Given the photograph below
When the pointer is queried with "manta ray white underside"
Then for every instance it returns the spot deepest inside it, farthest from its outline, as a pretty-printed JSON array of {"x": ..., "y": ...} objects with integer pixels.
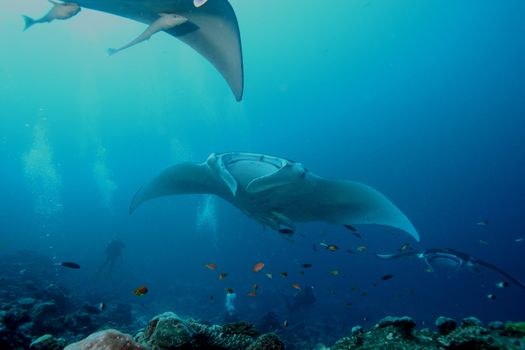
[
  {"x": 277, "y": 192},
  {"x": 211, "y": 30}
]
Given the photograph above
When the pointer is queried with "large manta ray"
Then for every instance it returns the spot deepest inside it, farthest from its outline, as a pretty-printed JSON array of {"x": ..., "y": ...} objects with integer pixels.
[
  {"x": 276, "y": 192},
  {"x": 452, "y": 258},
  {"x": 211, "y": 30}
]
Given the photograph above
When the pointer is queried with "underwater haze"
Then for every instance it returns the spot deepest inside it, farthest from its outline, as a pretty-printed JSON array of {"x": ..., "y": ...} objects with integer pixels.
[{"x": 422, "y": 100}]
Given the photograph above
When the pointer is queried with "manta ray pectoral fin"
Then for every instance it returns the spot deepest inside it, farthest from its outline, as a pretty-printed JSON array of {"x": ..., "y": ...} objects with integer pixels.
[
  {"x": 212, "y": 31},
  {"x": 349, "y": 202},
  {"x": 184, "y": 178}
]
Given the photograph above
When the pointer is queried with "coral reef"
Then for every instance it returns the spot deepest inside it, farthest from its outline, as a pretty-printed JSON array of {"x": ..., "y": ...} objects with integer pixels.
[
  {"x": 400, "y": 333},
  {"x": 36, "y": 313},
  {"x": 109, "y": 339},
  {"x": 169, "y": 331},
  {"x": 268, "y": 341},
  {"x": 445, "y": 325},
  {"x": 269, "y": 323},
  {"x": 47, "y": 342},
  {"x": 514, "y": 329}
]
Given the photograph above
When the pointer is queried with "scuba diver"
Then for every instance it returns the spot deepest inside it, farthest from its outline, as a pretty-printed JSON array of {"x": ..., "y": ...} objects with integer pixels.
[
  {"x": 304, "y": 297},
  {"x": 453, "y": 258},
  {"x": 113, "y": 252}
]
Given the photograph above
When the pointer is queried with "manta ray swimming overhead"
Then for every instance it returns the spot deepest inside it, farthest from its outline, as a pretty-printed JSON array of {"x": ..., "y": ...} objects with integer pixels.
[
  {"x": 276, "y": 192},
  {"x": 211, "y": 29},
  {"x": 452, "y": 258}
]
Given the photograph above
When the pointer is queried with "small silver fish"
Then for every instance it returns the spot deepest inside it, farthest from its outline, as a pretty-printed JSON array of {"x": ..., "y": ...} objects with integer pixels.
[
  {"x": 502, "y": 284},
  {"x": 518, "y": 240},
  {"x": 491, "y": 296}
]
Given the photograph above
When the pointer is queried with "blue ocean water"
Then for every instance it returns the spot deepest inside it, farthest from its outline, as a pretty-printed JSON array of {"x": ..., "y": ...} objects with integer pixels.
[{"x": 425, "y": 101}]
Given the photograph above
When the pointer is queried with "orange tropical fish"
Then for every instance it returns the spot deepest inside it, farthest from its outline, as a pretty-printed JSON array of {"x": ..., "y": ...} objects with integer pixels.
[
  {"x": 252, "y": 294},
  {"x": 258, "y": 267},
  {"x": 140, "y": 291},
  {"x": 222, "y": 276},
  {"x": 211, "y": 266},
  {"x": 296, "y": 286}
]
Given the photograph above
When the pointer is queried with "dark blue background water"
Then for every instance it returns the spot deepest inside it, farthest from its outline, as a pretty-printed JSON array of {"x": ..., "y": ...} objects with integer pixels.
[{"x": 424, "y": 101}]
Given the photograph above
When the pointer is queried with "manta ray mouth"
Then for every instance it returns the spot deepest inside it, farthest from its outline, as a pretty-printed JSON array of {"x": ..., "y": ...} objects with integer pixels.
[
  {"x": 248, "y": 167},
  {"x": 230, "y": 159},
  {"x": 445, "y": 261}
]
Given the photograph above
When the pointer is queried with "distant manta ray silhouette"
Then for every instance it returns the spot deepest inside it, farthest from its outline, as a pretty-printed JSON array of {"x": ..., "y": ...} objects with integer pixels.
[
  {"x": 211, "y": 29},
  {"x": 451, "y": 257},
  {"x": 276, "y": 192}
]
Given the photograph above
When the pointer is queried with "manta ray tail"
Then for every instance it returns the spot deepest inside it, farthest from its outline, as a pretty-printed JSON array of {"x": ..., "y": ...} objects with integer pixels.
[
  {"x": 28, "y": 22},
  {"x": 500, "y": 271},
  {"x": 184, "y": 178},
  {"x": 350, "y": 202}
]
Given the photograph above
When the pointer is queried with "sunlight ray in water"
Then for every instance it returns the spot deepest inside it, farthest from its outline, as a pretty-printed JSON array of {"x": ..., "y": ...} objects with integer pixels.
[
  {"x": 42, "y": 176},
  {"x": 104, "y": 180},
  {"x": 207, "y": 217}
]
